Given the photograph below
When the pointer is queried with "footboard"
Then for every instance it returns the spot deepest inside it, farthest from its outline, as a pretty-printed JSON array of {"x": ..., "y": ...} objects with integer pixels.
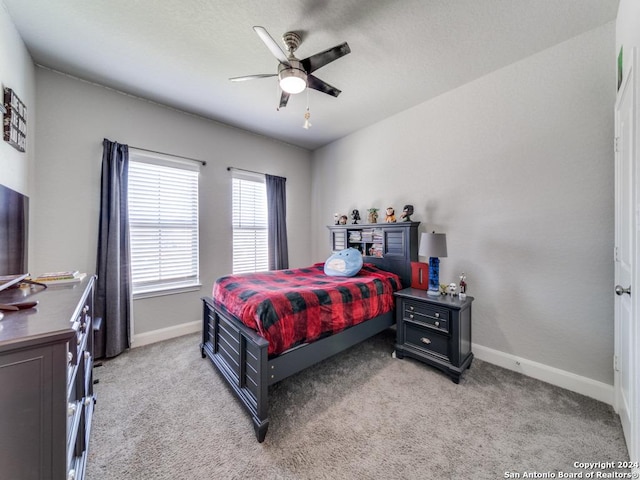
[{"x": 241, "y": 357}]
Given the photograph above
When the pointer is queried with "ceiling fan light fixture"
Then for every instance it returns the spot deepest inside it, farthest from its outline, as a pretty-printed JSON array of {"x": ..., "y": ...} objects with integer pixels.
[{"x": 292, "y": 79}]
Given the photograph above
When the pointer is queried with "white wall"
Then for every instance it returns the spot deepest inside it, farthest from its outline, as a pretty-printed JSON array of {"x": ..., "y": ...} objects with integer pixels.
[
  {"x": 73, "y": 118},
  {"x": 17, "y": 73},
  {"x": 517, "y": 169}
]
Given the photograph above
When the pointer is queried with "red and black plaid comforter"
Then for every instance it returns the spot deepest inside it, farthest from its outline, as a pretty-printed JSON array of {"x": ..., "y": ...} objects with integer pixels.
[{"x": 292, "y": 307}]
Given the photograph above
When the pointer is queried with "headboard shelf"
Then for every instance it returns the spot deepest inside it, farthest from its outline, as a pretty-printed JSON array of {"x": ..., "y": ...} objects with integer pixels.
[{"x": 390, "y": 246}]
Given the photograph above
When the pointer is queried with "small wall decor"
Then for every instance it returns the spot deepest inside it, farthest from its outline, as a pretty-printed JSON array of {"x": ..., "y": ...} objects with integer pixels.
[{"x": 15, "y": 120}]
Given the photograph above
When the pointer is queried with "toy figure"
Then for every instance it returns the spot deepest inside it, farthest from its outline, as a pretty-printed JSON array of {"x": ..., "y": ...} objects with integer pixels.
[
  {"x": 373, "y": 215},
  {"x": 463, "y": 286},
  {"x": 391, "y": 215},
  {"x": 343, "y": 220},
  {"x": 355, "y": 216},
  {"x": 407, "y": 211},
  {"x": 335, "y": 219}
]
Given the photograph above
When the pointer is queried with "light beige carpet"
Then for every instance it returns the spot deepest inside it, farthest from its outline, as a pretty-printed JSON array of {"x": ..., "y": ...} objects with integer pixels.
[{"x": 163, "y": 412}]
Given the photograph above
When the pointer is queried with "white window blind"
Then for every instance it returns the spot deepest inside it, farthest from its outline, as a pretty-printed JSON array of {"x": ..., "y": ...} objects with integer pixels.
[
  {"x": 163, "y": 223},
  {"x": 250, "y": 244}
]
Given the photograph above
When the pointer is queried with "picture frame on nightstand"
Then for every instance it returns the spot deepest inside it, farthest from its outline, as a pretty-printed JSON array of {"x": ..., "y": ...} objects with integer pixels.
[{"x": 420, "y": 275}]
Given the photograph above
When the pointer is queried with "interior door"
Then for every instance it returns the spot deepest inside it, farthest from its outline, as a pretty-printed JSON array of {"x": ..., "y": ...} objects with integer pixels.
[{"x": 626, "y": 269}]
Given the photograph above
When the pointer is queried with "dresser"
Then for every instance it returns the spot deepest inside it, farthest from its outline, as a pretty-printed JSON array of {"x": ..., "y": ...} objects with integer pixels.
[
  {"x": 46, "y": 382},
  {"x": 435, "y": 330}
]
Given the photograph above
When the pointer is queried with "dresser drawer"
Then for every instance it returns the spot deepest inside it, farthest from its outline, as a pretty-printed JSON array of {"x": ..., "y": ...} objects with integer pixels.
[
  {"x": 429, "y": 315},
  {"x": 426, "y": 339}
]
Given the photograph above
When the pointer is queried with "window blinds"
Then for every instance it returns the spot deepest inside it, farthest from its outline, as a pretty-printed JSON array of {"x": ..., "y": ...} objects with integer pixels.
[
  {"x": 163, "y": 223},
  {"x": 250, "y": 244}
]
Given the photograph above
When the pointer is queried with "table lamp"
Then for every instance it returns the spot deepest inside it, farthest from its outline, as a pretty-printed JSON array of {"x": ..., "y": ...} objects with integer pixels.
[{"x": 434, "y": 246}]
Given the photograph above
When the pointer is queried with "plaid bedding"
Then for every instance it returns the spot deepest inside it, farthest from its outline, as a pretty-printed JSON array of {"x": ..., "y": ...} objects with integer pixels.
[{"x": 292, "y": 307}]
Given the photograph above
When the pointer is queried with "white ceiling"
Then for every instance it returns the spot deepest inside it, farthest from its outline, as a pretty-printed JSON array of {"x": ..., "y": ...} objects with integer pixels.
[{"x": 182, "y": 52}]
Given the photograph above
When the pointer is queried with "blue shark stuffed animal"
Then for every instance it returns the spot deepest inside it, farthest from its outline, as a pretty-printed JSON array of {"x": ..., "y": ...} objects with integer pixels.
[{"x": 345, "y": 263}]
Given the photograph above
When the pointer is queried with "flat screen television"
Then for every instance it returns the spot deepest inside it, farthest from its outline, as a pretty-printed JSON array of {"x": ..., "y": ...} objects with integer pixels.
[{"x": 14, "y": 231}]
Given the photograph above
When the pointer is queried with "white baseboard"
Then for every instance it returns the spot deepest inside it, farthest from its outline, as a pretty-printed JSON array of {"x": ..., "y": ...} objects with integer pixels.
[
  {"x": 561, "y": 378},
  {"x": 162, "y": 334},
  {"x": 554, "y": 376}
]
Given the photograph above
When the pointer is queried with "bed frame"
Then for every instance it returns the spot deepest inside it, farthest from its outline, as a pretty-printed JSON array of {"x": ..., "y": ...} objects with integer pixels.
[{"x": 240, "y": 354}]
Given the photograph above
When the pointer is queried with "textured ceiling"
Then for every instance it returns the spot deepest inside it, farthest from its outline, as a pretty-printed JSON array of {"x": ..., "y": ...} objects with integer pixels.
[{"x": 182, "y": 52}]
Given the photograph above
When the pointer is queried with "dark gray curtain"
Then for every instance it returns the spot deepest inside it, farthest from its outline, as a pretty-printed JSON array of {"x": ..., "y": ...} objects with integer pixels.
[
  {"x": 277, "y": 208},
  {"x": 113, "y": 288}
]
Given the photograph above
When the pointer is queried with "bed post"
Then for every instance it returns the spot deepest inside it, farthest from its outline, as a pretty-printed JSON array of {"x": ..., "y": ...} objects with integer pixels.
[
  {"x": 261, "y": 419},
  {"x": 241, "y": 357}
]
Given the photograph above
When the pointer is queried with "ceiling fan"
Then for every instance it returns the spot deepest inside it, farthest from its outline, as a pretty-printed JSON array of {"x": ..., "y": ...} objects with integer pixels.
[{"x": 295, "y": 75}]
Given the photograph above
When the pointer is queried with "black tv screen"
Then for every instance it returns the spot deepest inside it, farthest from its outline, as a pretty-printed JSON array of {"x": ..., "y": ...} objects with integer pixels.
[{"x": 14, "y": 225}]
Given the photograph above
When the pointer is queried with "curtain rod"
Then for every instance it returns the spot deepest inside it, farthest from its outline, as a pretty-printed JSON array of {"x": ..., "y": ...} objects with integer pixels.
[
  {"x": 244, "y": 170},
  {"x": 170, "y": 154}
]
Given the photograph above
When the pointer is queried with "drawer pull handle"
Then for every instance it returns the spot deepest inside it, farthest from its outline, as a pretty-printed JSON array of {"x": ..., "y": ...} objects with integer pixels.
[
  {"x": 87, "y": 401},
  {"x": 437, "y": 315},
  {"x": 69, "y": 357},
  {"x": 72, "y": 475},
  {"x": 411, "y": 307},
  {"x": 85, "y": 309},
  {"x": 411, "y": 315},
  {"x": 87, "y": 355},
  {"x": 425, "y": 340},
  {"x": 71, "y": 409},
  {"x": 437, "y": 324}
]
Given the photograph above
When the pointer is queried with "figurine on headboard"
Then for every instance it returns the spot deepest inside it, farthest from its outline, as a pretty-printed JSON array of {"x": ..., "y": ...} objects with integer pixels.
[
  {"x": 342, "y": 220},
  {"x": 373, "y": 215},
  {"x": 355, "y": 216},
  {"x": 407, "y": 211},
  {"x": 391, "y": 215}
]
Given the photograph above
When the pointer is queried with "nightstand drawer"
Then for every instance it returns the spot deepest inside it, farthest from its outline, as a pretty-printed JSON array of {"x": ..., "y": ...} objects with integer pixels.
[
  {"x": 426, "y": 339},
  {"x": 428, "y": 314}
]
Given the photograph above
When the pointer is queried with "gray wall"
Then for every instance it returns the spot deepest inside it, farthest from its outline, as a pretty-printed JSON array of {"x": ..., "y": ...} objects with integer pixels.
[
  {"x": 16, "y": 72},
  {"x": 517, "y": 169},
  {"x": 73, "y": 118}
]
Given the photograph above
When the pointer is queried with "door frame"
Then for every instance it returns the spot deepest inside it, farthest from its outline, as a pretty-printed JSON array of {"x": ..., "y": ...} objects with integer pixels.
[{"x": 632, "y": 438}]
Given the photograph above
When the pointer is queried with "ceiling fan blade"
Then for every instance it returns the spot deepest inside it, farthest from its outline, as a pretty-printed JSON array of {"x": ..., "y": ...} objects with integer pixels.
[
  {"x": 314, "y": 62},
  {"x": 284, "y": 98},
  {"x": 272, "y": 45},
  {"x": 322, "y": 86},
  {"x": 253, "y": 77}
]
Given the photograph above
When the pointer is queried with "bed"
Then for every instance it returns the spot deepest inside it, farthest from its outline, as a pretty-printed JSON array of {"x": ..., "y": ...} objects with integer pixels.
[{"x": 251, "y": 354}]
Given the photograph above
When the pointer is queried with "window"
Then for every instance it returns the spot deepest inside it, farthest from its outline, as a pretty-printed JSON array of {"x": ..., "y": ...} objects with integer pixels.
[
  {"x": 250, "y": 247},
  {"x": 163, "y": 223}
]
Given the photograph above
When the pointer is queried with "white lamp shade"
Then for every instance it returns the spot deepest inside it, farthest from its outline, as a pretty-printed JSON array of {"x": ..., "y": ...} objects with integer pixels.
[
  {"x": 433, "y": 245},
  {"x": 292, "y": 80}
]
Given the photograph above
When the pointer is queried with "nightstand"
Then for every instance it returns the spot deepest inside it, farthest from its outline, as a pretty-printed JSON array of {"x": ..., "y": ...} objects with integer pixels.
[{"x": 435, "y": 330}]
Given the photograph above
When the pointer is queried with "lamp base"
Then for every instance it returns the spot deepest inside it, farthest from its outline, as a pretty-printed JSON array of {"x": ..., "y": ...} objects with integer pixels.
[{"x": 434, "y": 274}]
